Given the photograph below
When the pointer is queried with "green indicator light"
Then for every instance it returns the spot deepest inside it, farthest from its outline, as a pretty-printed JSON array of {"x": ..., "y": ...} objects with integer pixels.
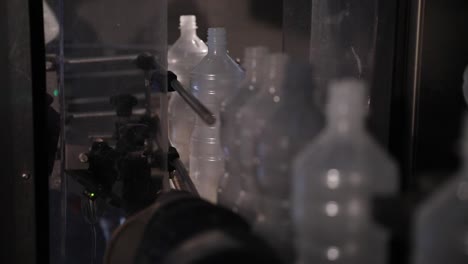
[
  {"x": 56, "y": 92},
  {"x": 92, "y": 195}
]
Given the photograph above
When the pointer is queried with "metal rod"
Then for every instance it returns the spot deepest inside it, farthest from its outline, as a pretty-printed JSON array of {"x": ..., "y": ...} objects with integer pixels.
[
  {"x": 148, "y": 93},
  {"x": 178, "y": 185},
  {"x": 101, "y": 59},
  {"x": 201, "y": 110},
  {"x": 63, "y": 176},
  {"x": 183, "y": 177},
  {"x": 164, "y": 142},
  {"x": 138, "y": 112},
  {"x": 101, "y": 99},
  {"x": 101, "y": 74},
  {"x": 415, "y": 81}
]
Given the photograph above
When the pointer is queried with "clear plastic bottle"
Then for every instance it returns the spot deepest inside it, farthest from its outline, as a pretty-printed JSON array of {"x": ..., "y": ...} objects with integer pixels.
[
  {"x": 296, "y": 122},
  {"x": 229, "y": 185},
  {"x": 252, "y": 119},
  {"x": 51, "y": 25},
  {"x": 212, "y": 81},
  {"x": 183, "y": 56},
  {"x": 441, "y": 224},
  {"x": 335, "y": 178}
]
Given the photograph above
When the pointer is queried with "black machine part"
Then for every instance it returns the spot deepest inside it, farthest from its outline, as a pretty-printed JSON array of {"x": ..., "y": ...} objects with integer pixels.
[
  {"x": 217, "y": 246},
  {"x": 123, "y": 104},
  {"x": 147, "y": 63},
  {"x": 183, "y": 217}
]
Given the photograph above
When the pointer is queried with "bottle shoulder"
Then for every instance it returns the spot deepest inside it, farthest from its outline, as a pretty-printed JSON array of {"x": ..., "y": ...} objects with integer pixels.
[
  {"x": 218, "y": 64},
  {"x": 187, "y": 49},
  {"x": 451, "y": 198},
  {"x": 356, "y": 154},
  {"x": 358, "y": 142}
]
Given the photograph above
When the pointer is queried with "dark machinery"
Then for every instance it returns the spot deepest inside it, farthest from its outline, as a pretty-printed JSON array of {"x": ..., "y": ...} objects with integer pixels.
[
  {"x": 133, "y": 158},
  {"x": 181, "y": 228},
  {"x": 163, "y": 226}
]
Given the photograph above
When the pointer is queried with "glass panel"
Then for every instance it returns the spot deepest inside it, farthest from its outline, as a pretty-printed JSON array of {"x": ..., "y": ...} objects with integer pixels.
[
  {"x": 345, "y": 38},
  {"x": 103, "y": 95}
]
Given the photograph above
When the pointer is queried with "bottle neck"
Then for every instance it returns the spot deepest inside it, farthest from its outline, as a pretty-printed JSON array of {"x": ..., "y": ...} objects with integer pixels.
[
  {"x": 217, "y": 49},
  {"x": 217, "y": 41},
  {"x": 253, "y": 62},
  {"x": 188, "y": 33},
  {"x": 345, "y": 124}
]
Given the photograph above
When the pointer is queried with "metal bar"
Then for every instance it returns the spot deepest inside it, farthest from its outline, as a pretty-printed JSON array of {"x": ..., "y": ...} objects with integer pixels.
[
  {"x": 184, "y": 177},
  {"x": 413, "y": 85},
  {"x": 63, "y": 123},
  {"x": 20, "y": 174},
  {"x": 103, "y": 113},
  {"x": 148, "y": 93},
  {"x": 178, "y": 185},
  {"x": 100, "y": 59},
  {"x": 416, "y": 69},
  {"x": 181, "y": 178},
  {"x": 103, "y": 74},
  {"x": 91, "y": 100},
  {"x": 201, "y": 110}
]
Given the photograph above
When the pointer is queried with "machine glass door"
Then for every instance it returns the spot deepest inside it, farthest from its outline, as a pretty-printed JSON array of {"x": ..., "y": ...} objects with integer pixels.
[{"x": 107, "y": 65}]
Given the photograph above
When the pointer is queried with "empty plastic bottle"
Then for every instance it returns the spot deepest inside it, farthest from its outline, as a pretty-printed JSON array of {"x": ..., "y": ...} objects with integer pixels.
[
  {"x": 441, "y": 226},
  {"x": 252, "y": 119},
  {"x": 212, "y": 81},
  {"x": 335, "y": 179},
  {"x": 183, "y": 56},
  {"x": 51, "y": 25},
  {"x": 229, "y": 185},
  {"x": 296, "y": 122}
]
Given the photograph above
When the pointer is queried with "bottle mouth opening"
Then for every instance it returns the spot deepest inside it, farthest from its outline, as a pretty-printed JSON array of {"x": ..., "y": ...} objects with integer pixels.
[
  {"x": 188, "y": 22},
  {"x": 217, "y": 36},
  {"x": 347, "y": 96}
]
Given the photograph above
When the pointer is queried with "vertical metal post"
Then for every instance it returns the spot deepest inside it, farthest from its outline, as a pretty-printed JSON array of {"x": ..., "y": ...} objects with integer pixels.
[
  {"x": 63, "y": 115},
  {"x": 403, "y": 134},
  {"x": 21, "y": 110}
]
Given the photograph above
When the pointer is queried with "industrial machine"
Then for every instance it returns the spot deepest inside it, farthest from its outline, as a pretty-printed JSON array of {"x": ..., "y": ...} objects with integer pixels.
[{"x": 89, "y": 174}]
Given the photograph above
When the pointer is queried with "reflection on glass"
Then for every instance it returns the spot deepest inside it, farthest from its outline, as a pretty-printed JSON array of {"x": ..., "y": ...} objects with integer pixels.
[
  {"x": 183, "y": 56},
  {"x": 229, "y": 186},
  {"x": 95, "y": 53}
]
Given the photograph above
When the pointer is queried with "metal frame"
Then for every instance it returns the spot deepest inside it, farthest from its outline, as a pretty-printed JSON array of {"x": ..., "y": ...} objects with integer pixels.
[
  {"x": 427, "y": 99},
  {"x": 405, "y": 90},
  {"x": 22, "y": 111}
]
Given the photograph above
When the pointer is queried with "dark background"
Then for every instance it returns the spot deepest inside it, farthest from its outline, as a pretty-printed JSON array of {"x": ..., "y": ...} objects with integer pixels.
[{"x": 441, "y": 102}]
